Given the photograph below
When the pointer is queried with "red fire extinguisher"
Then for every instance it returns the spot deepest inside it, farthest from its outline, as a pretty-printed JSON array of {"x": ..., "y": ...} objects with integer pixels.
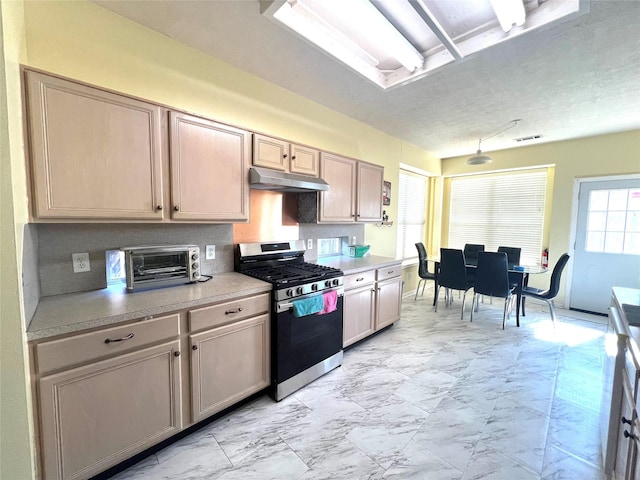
[{"x": 545, "y": 258}]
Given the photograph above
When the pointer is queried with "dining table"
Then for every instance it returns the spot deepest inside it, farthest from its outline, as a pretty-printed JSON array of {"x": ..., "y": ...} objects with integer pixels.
[{"x": 518, "y": 275}]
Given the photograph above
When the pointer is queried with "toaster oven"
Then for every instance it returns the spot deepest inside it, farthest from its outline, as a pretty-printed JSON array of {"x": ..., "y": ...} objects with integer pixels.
[{"x": 160, "y": 266}]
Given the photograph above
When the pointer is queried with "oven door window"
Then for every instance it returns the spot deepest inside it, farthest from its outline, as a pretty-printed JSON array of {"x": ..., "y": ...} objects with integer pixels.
[
  {"x": 304, "y": 341},
  {"x": 165, "y": 265}
]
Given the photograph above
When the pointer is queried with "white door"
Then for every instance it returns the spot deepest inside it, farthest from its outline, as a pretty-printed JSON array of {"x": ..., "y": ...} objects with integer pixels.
[{"x": 607, "y": 248}]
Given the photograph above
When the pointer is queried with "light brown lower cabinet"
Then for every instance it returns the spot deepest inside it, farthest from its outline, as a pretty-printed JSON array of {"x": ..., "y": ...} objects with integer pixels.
[
  {"x": 106, "y": 395},
  {"x": 228, "y": 364},
  {"x": 372, "y": 301},
  {"x": 97, "y": 415}
]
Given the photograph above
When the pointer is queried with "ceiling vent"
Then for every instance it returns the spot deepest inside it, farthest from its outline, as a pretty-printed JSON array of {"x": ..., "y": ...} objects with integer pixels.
[{"x": 529, "y": 138}]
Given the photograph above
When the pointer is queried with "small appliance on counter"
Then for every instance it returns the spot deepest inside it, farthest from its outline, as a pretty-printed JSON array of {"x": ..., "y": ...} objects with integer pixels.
[
  {"x": 358, "y": 251},
  {"x": 161, "y": 266}
]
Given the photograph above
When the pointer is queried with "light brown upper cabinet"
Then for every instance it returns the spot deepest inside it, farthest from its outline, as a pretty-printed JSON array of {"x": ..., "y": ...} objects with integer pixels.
[
  {"x": 355, "y": 190},
  {"x": 209, "y": 163},
  {"x": 98, "y": 156},
  {"x": 94, "y": 154},
  {"x": 281, "y": 155}
]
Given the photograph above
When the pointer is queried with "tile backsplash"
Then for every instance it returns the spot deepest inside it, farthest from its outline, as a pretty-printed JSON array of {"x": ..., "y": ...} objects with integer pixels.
[{"x": 57, "y": 242}]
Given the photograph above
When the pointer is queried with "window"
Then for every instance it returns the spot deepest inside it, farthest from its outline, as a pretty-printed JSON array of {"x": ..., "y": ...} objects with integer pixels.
[
  {"x": 328, "y": 247},
  {"x": 613, "y": 224},
  {"x": 412, "y": 213},
  {"x": 499, "y": 210}
]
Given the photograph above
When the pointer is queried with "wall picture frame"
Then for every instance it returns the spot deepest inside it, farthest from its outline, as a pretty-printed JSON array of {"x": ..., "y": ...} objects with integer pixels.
[{"x": 386, "y": 193}]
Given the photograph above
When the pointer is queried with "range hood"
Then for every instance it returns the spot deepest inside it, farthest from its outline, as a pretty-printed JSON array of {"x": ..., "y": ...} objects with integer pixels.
[{"x": 267, "y": 179}]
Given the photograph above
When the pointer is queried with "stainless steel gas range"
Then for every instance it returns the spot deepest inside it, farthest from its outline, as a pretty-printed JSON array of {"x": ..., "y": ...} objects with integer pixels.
[{"x": 304, "y": 346}]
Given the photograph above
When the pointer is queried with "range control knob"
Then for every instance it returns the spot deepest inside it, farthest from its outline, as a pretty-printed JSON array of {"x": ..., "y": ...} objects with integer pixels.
[
  {"x": 314, "y": 287},
  {"x": 336, "y": 282},
  {"x": 327, "y": 283},
  {"x": 289, "y": 293},
  {"x": 299, "y": 290},
  {"x": 194, "y": 256}
]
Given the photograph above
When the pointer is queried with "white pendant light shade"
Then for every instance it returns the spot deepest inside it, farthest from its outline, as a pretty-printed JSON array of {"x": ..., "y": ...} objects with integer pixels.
[{"x": 479, "y": 159}]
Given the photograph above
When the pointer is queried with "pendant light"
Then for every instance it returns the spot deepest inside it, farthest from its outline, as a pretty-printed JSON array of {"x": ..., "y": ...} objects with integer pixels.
[{"x": 481, "y": 159}]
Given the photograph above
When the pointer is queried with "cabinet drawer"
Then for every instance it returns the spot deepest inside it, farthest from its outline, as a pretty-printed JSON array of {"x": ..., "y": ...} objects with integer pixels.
[
  {"x": 226, "y": 312},
  {"x": 359, "y": 279},
  {"x": 388, "y": 272},
  {"x": 86, "y": 347}
]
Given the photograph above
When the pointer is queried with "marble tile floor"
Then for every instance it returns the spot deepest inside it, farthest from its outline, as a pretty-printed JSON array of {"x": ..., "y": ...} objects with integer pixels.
[{"x": 433, "y": 397}]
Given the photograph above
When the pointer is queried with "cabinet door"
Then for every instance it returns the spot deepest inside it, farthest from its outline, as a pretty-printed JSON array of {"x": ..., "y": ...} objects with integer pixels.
[
  {"x": 209, "y": 163},
  {"x": 94, "y": 154},
  {"x": 304, "y": 160},
  {"x": 625, "y": 448},
  {"x": 338, "y": 204},
  {"x": 96, "y": 416},
  {"x": 370, "y": 180},
  {"x": 389, "y": 298},
  {"x": 270, "y": 153},
  {"x": 228, "y": 364},
  {"x": 359, "y": 314}
]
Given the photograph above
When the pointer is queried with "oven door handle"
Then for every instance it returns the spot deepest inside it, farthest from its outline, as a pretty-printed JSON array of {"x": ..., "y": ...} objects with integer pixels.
[{"x": 284, "y": 307}]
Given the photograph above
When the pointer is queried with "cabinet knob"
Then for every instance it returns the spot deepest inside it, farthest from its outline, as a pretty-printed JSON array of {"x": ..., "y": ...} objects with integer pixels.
[
  {"x": 194, "y": 347},
  {"x": 293, "y": 157},
  {"x": 284, "y": 156},
  {"x": 176, "y": 208},
  {"x": 626, "y": 420},
  {"x": 159, "y": 207},
  {"x": 630, "y": 435},
  {"x": 176, "y": 354}
]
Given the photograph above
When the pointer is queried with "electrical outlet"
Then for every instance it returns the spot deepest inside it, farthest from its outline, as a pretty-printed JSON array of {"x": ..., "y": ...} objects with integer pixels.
[
  {"x": 310, "y": 244},
  {"x": 80, "y": 262},
  {"x": 210, "y": 252}
]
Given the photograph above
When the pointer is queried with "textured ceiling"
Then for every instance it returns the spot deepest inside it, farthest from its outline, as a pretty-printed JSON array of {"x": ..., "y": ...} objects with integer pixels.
[{"x": 575, "y": 78}]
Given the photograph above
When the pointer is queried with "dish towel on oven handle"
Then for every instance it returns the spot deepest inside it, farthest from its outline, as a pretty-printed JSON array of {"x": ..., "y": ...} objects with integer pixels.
[
  {"x": 308, "y": 306},
  {"x": 330, "y": 302}
]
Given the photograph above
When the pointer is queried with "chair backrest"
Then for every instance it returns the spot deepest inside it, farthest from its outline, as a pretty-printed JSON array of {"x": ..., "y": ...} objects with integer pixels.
[
  {"x": 513, "y": 255},
  {"x": 471, "y": 252},
  {"x": 554, "y": 284},
  {"x": 423, "y": 271},
  {"x": 492, "y": 275},
  {"x": 453, "y": 273}
]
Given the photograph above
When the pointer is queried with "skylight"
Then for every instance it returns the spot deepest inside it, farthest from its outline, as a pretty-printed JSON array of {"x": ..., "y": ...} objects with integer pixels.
[{"x": 392, "y": 42}]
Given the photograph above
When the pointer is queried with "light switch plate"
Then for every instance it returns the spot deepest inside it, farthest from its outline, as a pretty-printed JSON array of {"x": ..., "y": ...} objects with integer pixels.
[
  {"x": 80, "y": 262},
  {"x": 210, "y": 252},
  {"x": 310, "y": 244}
]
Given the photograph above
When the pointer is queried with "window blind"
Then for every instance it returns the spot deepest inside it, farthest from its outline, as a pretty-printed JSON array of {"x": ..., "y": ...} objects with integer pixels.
[
  {"x": 412, "y": 216},
  {"x": 499, "y": 210}
]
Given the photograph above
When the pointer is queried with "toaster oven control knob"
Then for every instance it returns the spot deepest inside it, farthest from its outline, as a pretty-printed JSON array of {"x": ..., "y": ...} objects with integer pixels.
[
  {"x": 194, "y": 265},
  {"x": 194, "y": 256},
  {"x": 314, "y": 287},
  {"x": 195, "y": 275}
]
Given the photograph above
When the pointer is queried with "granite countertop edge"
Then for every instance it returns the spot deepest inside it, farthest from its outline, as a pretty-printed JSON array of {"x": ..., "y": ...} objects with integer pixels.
[
  {"x": 77, "y": 312},
  {"x": 350, "y": 265}
]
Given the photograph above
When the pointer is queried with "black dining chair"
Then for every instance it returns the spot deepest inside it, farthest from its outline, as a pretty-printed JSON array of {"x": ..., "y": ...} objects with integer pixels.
[
  {"x": 471, "y": 252},
  {"x": 492, "y": 279},
  {"x": 554, "y": 287},
  {"x": 513, "y": 258},
  {"x": 423, "y": 270},
  {"x": 452, "y": 275}
]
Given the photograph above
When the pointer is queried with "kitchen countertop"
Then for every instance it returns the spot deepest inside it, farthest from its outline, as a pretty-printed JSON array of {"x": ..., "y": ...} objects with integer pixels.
[
  {"x": 74, "y": 312},
  {"x": 351, "y": 265},
  {"x": 628, "y": 301}
]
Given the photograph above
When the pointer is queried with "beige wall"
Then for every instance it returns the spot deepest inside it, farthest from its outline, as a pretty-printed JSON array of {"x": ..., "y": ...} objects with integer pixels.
[
  {"x": 16, "y": 441},
  {"x": 605, "y": 155}
]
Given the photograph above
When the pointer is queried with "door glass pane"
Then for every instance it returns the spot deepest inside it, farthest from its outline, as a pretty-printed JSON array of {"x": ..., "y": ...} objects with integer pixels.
[
  {"x": 615, "y": 221},
  {"x": 613, "y": 242},
  {"x": 632, "y": 243},
  {"x": 618, "y": 199},
  {"x": 634, "y": 199},
  {"x": 597, "y": 221},
  {"x": 595, "y": 242},
  {"x": 598, "y": 200},
  {"x": 633, "y": 222}
]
